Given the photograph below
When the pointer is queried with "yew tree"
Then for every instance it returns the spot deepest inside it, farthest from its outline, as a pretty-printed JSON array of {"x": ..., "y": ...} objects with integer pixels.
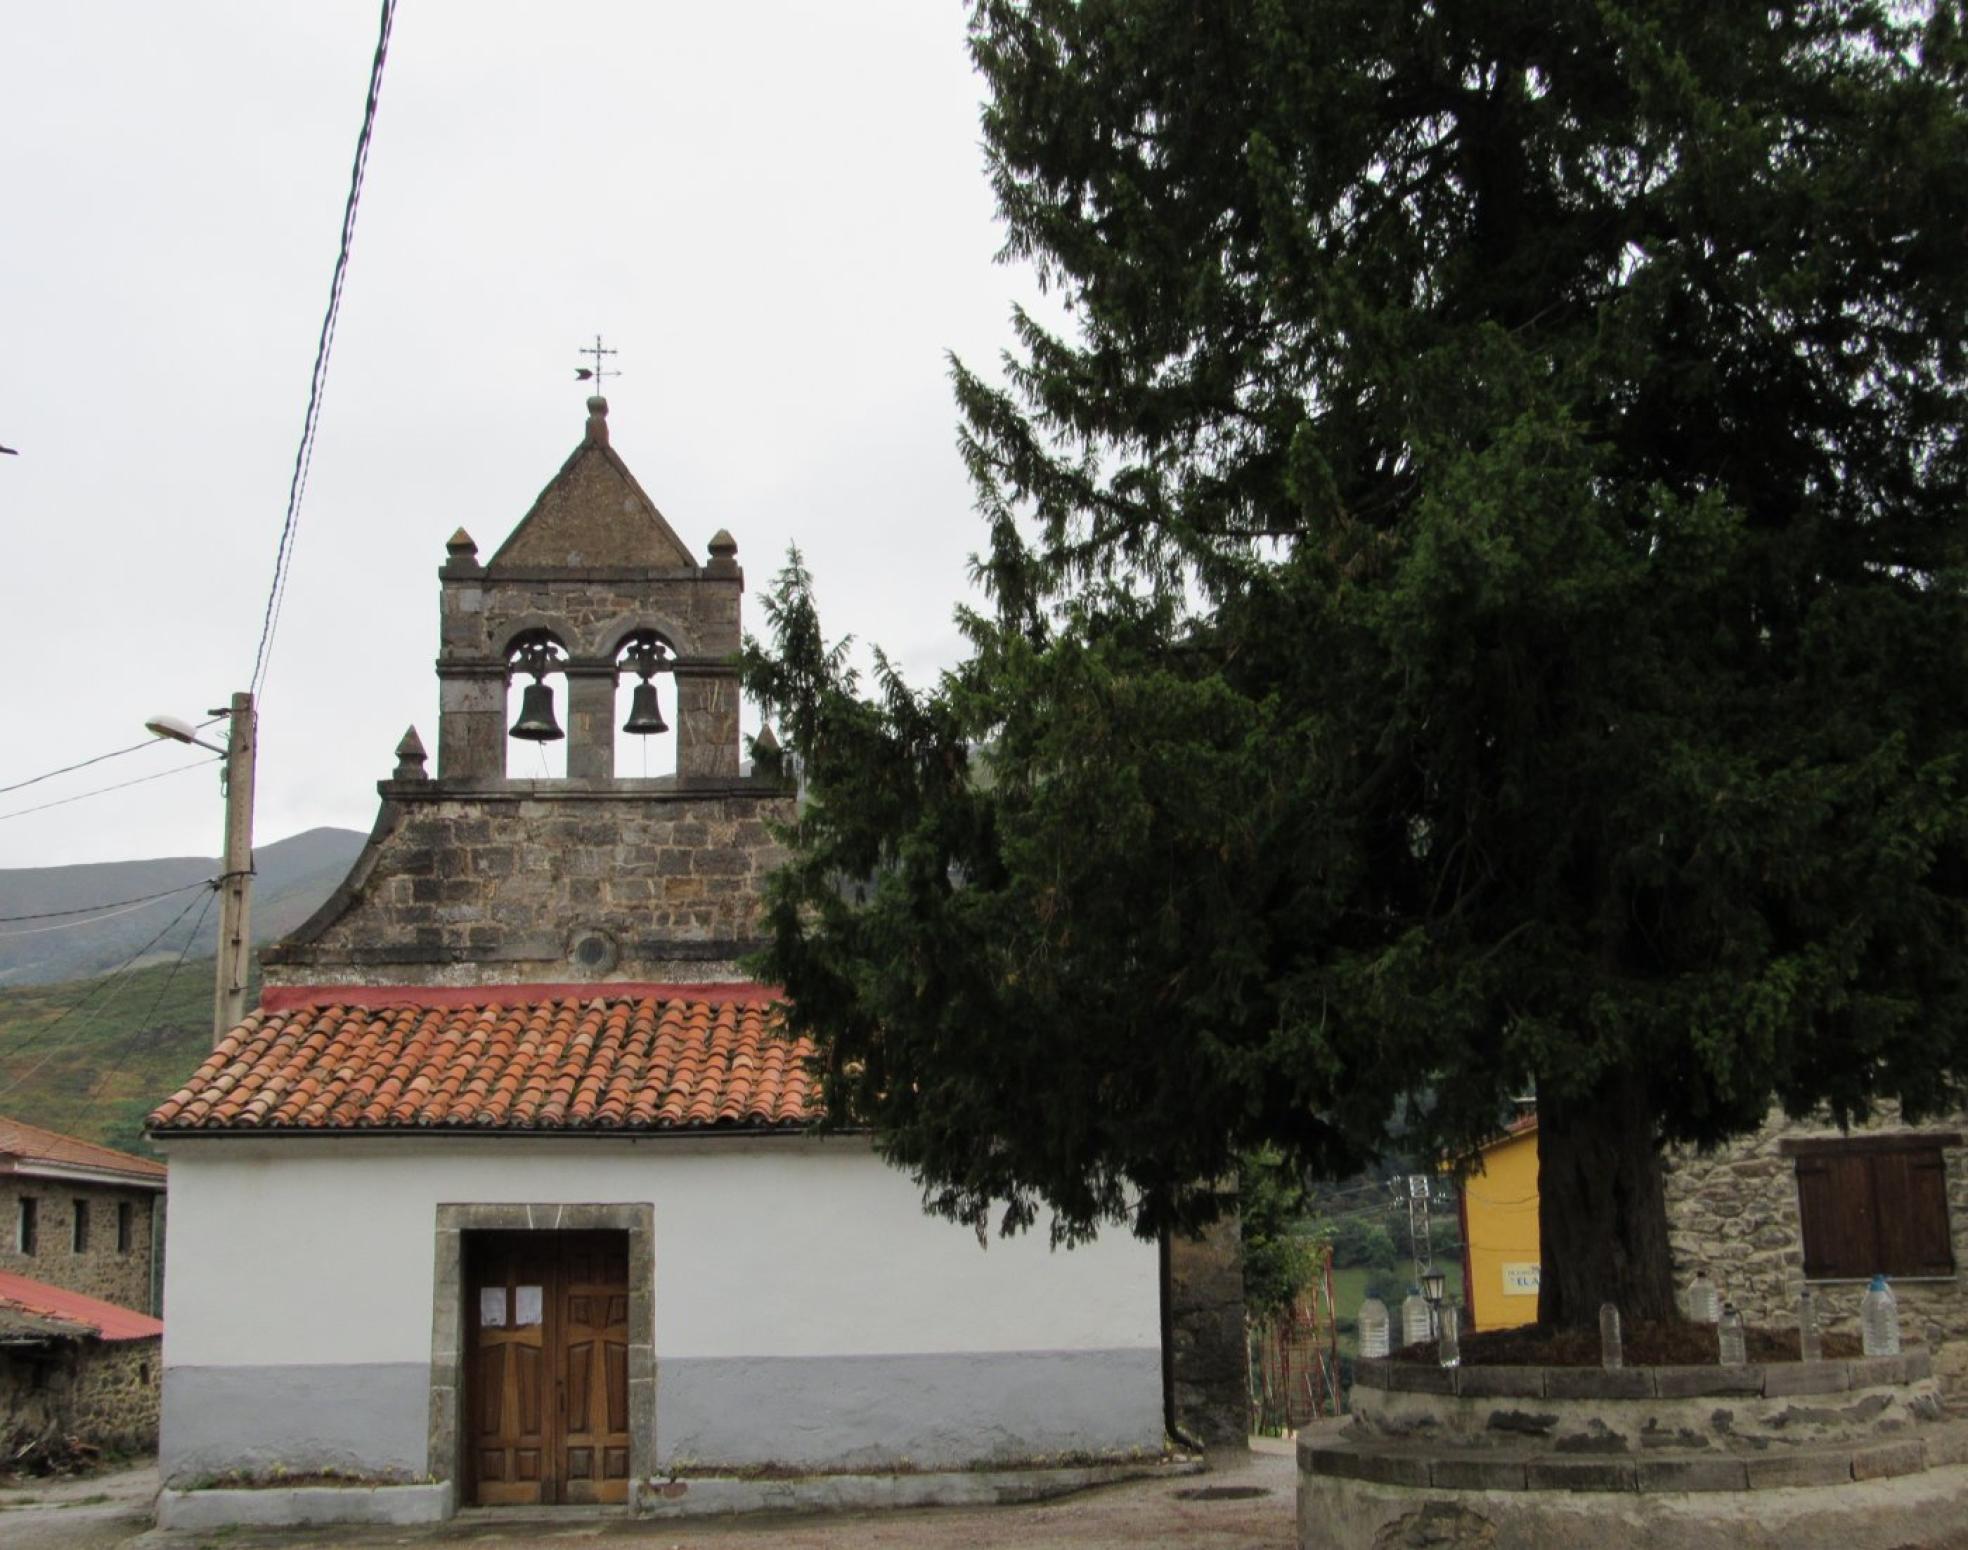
[{"x": 1474, "y": 608}]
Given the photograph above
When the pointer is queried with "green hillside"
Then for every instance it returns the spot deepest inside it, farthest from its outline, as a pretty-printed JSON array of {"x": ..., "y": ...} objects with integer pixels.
[{"x": 91, "y": 1057}]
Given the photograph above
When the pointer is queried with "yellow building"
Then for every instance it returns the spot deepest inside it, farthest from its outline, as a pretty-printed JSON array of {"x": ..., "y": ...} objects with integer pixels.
[{"x": 1500, "y": 1253}]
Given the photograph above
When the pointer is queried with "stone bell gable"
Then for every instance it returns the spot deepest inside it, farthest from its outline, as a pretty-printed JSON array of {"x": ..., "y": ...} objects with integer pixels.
[{"x": 471, "y": 877}]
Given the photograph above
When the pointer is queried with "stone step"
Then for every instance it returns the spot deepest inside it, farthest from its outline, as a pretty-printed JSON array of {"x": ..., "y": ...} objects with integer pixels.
[{"x": 1416, "y": 1464}]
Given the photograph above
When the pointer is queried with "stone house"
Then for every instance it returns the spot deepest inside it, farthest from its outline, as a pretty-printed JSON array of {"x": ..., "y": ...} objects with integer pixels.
[
  {"x": 1802, "y": 1202},
  {"x": 75, "y": 1367},
  {"x": 507, "y": 1185},
  {"x": 80, "y": 1216}
]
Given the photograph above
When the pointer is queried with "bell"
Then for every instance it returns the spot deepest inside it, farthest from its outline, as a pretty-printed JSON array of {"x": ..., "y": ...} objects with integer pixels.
[
  {"x": 536, "y": 718},
  {"x": 645, "y": 716}
]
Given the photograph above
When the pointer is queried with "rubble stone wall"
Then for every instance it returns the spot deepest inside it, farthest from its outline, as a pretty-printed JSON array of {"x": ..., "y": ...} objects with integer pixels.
[
  {"x": 96, "y": 1391},
  {"x": 1734, "y": 1211},
  {"x": 547, "y": 884},
  {"x": 1209, "y": 1358},
  {"x": 101, "y": 1269}
]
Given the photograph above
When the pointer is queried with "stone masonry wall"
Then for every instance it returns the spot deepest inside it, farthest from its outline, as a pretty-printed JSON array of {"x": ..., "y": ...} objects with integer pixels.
[
  {"x": 1735, "y": 1212},
  {"x": 543, "y": 883},
  {"x": 1209, "y": 1358},
  {"x": 101, "y": 1270},
  {"x": 97, "y": 1391}
]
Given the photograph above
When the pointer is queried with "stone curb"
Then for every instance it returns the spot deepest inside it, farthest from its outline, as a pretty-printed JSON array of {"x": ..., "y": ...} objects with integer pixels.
[
  {"x": 1771, "y": 1380},
  {"x": 1385, "y": 1464},
  {"x": 718, "y": 1495},
  {"x": 300, "y": 1506}
]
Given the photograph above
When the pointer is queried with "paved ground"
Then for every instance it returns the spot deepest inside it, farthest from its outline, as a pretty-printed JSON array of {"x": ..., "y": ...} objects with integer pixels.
[{"x": 1134, "y": 1516}]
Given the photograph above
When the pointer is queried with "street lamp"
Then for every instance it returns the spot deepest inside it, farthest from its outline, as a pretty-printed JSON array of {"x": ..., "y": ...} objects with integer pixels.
[
  {"x": 1432, "y": 1284},
  {"x": 236, "y": 880}
]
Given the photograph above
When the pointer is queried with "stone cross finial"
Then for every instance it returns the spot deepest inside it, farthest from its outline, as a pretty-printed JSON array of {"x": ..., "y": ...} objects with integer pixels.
[{"x": 410, "y": 757}]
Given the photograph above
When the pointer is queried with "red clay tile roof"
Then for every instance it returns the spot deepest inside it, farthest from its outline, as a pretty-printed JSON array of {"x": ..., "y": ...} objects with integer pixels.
[
  {"x": 577, "y": 1060},
  {"x": 31, "y": 1143},
  {"x": 70, "y": 1313}
]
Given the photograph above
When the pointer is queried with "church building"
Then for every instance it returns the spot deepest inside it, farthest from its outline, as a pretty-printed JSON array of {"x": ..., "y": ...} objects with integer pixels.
[{"x": 506, "y": 1192}]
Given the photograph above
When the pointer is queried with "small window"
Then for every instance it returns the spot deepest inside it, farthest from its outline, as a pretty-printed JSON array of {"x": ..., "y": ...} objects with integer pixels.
[
  {"x": 80, "y": 1242},
  {"x": 126, "y": 1227},
  {"x": 1874, "y": 1205},
  {"x": 30, "y": 1213}
]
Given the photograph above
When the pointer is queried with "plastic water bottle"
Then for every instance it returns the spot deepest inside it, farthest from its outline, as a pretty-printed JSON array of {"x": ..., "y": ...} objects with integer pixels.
[
  {"x": 1373, "y": 1327},
  {"x": 1810, "y": 1343},
  {"x": 1729, "y": 1337},
  {"x": 1612, "y": 1355},
  {"x": 1416, "y": 1327},
  {"x": 1704, "y": 1302},
  {"x": 1879, "y": 1319},
  {"x": 1450, "y": 1349}
]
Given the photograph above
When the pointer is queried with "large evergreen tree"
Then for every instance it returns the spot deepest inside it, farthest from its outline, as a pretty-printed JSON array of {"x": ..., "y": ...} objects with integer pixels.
[{"x": 1476, "y": 607}]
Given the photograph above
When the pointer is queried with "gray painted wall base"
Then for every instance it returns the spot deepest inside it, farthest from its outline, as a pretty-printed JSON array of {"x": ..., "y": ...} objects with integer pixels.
[
  {"x": 873, "y": 1413},
  {"x": 298, "y": 1506},
  {"x": 369, "y": 1419},
  {"x": 715, "y": 1496}
]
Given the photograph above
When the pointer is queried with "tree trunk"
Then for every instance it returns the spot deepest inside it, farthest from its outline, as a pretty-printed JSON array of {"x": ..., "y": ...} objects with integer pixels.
[{"x": 1602, "y": 1215}]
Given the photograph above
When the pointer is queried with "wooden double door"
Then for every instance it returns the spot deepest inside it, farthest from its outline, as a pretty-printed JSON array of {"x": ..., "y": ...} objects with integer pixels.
[{"x": 547, "y": 1367}]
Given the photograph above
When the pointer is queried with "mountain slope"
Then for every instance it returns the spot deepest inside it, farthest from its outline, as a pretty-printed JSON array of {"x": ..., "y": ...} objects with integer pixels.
[
  {"x": 91, "y": 1057},
  {"x": 292, "y": 877}
]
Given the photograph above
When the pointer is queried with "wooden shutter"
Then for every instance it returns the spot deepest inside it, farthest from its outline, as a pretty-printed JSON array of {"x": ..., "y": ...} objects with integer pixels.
[
  {"x": 1835, "y": 1199},
  {"x": 1911, "y": 1188}
]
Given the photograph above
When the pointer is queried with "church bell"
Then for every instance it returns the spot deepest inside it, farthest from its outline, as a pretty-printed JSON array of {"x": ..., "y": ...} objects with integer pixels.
[
  {"x": 536, "y": 715},
  {"x": 645, "y": 716}
]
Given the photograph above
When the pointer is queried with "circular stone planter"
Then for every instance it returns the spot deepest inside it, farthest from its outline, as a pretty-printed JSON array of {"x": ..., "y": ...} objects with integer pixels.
[{"x": 1852, "y": 1454}]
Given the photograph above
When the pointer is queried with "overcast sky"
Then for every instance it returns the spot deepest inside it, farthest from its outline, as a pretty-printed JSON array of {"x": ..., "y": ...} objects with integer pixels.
[{"x": 776, "y": 211}]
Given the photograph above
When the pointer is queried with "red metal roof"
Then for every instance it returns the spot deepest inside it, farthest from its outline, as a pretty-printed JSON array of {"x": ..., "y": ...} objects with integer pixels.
[
  {"x": 87, "y": 1315},
  {"x": 565, "y": 1058},
  {"x": 33, "y": 1144}
]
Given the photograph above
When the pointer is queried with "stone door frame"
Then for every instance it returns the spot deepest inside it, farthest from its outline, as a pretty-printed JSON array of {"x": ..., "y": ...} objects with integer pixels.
[{"x": 447, "y": 1388}]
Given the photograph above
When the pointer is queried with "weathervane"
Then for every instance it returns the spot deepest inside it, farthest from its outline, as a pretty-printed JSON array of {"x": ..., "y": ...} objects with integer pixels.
[{"x": 595, "y": 372}]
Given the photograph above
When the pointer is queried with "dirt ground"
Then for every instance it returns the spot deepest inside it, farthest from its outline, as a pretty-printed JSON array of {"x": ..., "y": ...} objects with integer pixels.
[
  {"x": 88, "y": 1512},
  {"x": 1136, "y": 1515}
]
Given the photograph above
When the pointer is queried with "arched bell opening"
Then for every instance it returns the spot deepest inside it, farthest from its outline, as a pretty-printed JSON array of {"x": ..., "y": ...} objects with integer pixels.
[
  {"x": 645, "y": 707},
  {"x": 536, "y": 707}
]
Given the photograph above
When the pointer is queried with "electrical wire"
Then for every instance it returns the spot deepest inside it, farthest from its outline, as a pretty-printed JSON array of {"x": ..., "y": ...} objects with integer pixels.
[
  {"x": 113, "y": 905},
  {"x": 304, "y": 454},
  {"x": 70, "y": 925},
  {"x": 114, "y": 753},
  {"x": 91, "y": 1093},
  {"x": 97, "y": 988},
  {"x": 22, "y": 812}
]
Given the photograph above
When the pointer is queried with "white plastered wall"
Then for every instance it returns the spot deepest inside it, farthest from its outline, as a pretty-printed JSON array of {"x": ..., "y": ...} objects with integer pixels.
[{"x": 320, "y": 1251}]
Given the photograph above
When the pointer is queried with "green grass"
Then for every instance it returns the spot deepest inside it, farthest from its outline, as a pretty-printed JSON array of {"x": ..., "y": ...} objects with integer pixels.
[{"x": 92, "y": 1057}]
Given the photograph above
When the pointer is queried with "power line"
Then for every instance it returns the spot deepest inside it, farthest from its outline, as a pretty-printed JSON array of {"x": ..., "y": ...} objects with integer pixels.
[
  {"x": 304, "y": 454},
  {"x": 22, "y": 812},
  {"x": 99, "y": 987},
  {"x": 114, "y": 906},
  {"x": 114, "y": 753},
  {"x": 91, "y": 1093}
]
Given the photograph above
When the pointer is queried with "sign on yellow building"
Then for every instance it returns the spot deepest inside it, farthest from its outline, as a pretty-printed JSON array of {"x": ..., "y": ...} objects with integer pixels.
[{"x": 1500, "y": 1254}]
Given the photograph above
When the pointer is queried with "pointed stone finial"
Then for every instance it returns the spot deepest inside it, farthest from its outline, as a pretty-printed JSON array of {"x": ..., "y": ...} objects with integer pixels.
[
  {"x": 765, "y": 742},
  {"x": 597, "y": 421},
  {"x": 410, "y": 757},
  {"x": 724, "y": 554},
  {"x": 460, "y": 552}
]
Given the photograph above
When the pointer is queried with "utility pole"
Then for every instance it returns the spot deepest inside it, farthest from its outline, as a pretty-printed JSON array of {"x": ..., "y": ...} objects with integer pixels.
[{"x": 236, "y": 880}]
